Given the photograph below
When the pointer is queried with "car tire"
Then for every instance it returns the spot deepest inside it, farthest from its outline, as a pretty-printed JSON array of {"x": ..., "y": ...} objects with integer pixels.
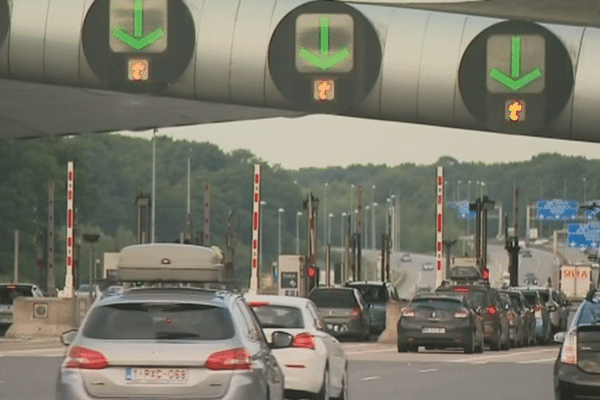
[
  {"x": 561, "y": 394},
  {"x": 344, "y": 393},
  {"x": 506, "y": 345},
  {"x": 325, "y": 392},
  {"x": 470, "y": 345},
  {"x": 495, "y": 346},
  {"x": 479, "y": 348},
  {"x": 413, "y": 348}
]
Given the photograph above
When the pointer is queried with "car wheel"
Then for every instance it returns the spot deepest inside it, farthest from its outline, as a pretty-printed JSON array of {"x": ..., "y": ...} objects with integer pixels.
[
  {"x": 470, "y": 345},
  {"x": 344, "y": 393},
  {"x": 479, "y": 348},
  {"x": 506, "y": 344},
  {"x": 402, "y": 348},
  {"x": 413, "y": 348},
  {"x": 495, "y": 346},
  {"x": 325, "y": 393}
]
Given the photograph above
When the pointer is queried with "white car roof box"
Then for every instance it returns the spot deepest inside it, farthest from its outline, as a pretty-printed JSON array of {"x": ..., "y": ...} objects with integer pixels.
[{"x": 168, "y": 262}]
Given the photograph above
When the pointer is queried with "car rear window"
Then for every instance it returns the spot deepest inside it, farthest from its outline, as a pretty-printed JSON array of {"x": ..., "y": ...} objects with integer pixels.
[
  {"x": 173, "y": 321},
  {"x": 10, "y": 292},
  {"x": 589, "y": 315},
  {"x": 372, "y": 294},
  {"x": 479, "y": 297},
  {"x": 544, "y": 295},
  {"x": 530, "y": 298},
  {"x": 437, "y": 304},
  {"x": 333, "y": 299},
  {"x": 271, "y": 316}
]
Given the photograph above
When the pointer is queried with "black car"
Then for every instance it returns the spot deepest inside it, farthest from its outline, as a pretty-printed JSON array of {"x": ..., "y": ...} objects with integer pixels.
[
  {"x": 577, "y": 367},
  {"x": 438, "y": 321},
  {"x": 376, "y": 295},
  {"x": 525, "y": 315},
  {"x": 535, "y": 301},
  {"x": 487, "y": 301}
]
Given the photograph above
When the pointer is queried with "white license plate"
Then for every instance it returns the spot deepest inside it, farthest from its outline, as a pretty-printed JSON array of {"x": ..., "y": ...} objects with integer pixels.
[
  {"x": 434, "y": 330},
  {"x": 156, "y": 375}
]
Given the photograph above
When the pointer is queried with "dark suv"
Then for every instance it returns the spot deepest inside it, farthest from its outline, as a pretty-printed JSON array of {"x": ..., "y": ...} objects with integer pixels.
[{"x": 486, "y": 301}]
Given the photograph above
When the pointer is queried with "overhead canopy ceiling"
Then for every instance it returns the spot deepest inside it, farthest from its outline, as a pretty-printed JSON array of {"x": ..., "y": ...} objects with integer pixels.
[{"x": 32, "y": 110}]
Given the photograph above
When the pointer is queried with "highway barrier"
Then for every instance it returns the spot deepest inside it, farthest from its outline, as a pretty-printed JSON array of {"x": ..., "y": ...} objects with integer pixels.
[{"x": 47, "y": 316}]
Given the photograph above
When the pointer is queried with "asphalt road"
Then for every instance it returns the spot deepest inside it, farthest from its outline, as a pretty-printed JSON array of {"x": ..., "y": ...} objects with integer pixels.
[{"x": 376, "y": 372}]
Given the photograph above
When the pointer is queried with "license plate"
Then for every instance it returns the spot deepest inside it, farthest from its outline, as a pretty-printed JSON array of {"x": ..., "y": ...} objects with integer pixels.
[
  {"x": 156, "y": 375},
  {"x": 434, "y": 330}
]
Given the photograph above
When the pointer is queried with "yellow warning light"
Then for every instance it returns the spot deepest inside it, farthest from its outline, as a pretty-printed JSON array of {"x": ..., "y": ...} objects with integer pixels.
[
  {"x": 515, "y": 111},
  {"x": 324, "y": 89},
  {"x": 138, "y": 69}
]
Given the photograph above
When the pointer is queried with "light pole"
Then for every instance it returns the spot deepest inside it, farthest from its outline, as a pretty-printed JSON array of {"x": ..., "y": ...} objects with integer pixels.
[
  {"x": 352, "y": 205},
  {"x": 394, "y": 202},
  {"x": 261, "y": 244},
  {"x": 468, "y": 200},
  {"x": 373, "y": 239},
  {"x": 483, "y": 189},
  {"x": 298, "y": 214},
  {"x": 458, "y": 190},
  {"x": 584, "y": 191},
  {"x": 281, "y": 210},
  {"x": 342, "y": 235},
  {"x": 367, "y": 208},
  {"x": 153, "y": 199},
  {"x": 325, "y": 214}
]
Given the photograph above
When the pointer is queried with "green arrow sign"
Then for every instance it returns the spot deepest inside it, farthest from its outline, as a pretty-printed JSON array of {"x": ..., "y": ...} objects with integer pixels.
[
  {"x": 138, "y": 41},
  {"x": 515, "y": 81},
  {"x": 324, "y": 60}
]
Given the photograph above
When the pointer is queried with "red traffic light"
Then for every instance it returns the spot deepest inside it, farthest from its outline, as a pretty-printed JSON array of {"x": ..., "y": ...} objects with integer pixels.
[
  {"x": 485, "y": 274},
  {"x": 312, "y": 272}
]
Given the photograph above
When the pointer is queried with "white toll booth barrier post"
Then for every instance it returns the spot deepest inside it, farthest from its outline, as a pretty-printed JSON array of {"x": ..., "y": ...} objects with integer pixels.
[
  {"x": 439, "y": 272},
  {"x": 68, "y": 290},
  {"x": 254, "y": 280}
]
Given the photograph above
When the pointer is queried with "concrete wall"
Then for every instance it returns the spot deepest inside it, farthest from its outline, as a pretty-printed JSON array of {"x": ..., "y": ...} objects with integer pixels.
[{"x": 47, "y": 316}]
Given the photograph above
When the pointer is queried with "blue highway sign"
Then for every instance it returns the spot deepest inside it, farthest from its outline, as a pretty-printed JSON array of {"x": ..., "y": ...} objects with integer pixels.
[
  {"x": 557, "y": 210},
  {"x": 584, "y": 235}
]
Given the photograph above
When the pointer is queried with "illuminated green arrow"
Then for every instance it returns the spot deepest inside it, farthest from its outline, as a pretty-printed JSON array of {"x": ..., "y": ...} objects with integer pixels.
[
  {"x": 138, "y": 41},
  {"x": 324, "y": 60},
  {"x": 514, "y": 82}
]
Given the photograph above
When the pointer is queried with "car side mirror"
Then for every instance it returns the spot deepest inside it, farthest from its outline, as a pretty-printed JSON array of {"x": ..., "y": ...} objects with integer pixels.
[
  {"x": 280, "y": 340},
  {"x": 67, "y": 337},
  {"x": 560, "y": 337}
]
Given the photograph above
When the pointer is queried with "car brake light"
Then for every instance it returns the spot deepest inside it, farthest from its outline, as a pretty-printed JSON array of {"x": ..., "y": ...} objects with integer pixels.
[
  {"x": 228, "y": 360},
  {"x": 256, "y": 304},
  {"x": 408, "y": 313},
  {"x": 80, "y": 357},
  {"x": 569, "y": 350},
  {"x": 304, "y": 340},
  {"x": 461, "y": 314},
  {"x": 355, "y": 312},
  {"x": 461, "y": 289},
  {"x": 538, "y": 306},
  {"x": 491, "y": 310}
]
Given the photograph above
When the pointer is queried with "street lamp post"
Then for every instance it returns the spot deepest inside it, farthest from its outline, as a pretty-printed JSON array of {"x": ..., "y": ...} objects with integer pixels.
[
  {"x": 298, "y": 214},
  {"x": 367, "y": 208},
  {"x": 584, "y": 191},
  {"x": 352, "y": 204},
  {"x": 468, "y": 200},
  {"x": 329, "y": 228},
  {"x": 281, "y": 210},
  {"x": 325, "y": 220},
  {"x": 260, "y": 239},
  {"x": 458, "y": 190},
  {"x": 373, "y": 239}
]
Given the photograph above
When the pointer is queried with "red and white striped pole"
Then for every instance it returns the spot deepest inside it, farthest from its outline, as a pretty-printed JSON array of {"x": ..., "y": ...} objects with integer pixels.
[
  {"x": 68, "y": 291},
  {"x": 254, "y": 280},
  {"x": 439, "y": 228}
]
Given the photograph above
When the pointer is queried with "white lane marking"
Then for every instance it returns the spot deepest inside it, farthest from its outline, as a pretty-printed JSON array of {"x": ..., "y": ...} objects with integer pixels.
[
  {"x": 373, "y": 351},
  {"x": 31, "y": 351},
  {"x": 370, "y": 378},
  {"x": 429, "y": 370},
  {"x": 347, "y": 346},
  {"x": 543, "y": 360},
  {"x": 478, "y": 358}
]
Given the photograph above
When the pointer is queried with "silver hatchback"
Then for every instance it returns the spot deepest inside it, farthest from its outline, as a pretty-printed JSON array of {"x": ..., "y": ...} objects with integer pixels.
[{"x": 171, "y": 343}]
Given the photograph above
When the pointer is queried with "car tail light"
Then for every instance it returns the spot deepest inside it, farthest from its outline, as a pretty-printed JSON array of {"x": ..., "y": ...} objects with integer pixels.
[
  {"x": 538, "y": 306},
  {"x": 569, "y": 350},
  {"x": 228, "y": 360},
  {"x": 491, "y": 310},
  {"x": 408, "y": 312},
  {"x": 355, "y": 312},
  {"x": 80, "y": 357},
  {"x": 461, "y": 314},
  {"x": 304, "y": 340},
  {"x": 256, "y": 304}
]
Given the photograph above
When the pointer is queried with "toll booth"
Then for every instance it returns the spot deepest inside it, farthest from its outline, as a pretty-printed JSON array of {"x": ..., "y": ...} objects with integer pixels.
[{"x": 290, "y": 280}]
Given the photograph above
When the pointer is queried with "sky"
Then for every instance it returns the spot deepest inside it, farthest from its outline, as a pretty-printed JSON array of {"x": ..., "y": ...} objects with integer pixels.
[{"x": 325, "y": 140}]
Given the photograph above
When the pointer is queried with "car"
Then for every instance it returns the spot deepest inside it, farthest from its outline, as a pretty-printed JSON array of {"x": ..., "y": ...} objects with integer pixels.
[
  {"x": 440, "y": 320},
  {"x": 578, "y": 363},
  {"x": 315, "y": 366},
  {"x": 376, "y": 295},
  {"x": 405, "y": 257},
  {"x": 170, "y": 337},
  {"x": 427, "y": 266},
  {"x": 515, "y": 323},
  {"x": 9, "y": 292},
  {"x": 526, "y": 316},
  {"x": 534, "y": 300},
  {"x": 526, "y": 253},
  {"x": 487, "y": 302},
  {"x": 344, "y": 311},
  {"x": 531, "y": 279},
  {"x": 556, "y": 309}
]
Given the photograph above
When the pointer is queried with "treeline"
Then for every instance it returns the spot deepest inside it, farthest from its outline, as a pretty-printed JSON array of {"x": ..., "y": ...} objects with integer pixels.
[{"x": 111, "y": 170}]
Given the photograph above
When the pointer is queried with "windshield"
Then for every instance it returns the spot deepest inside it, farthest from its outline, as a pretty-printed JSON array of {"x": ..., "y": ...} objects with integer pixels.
[
  {"x": 545, "y": 295},
  {"x": 478, "y": 297},
  {"x": 279, "y": 317},
  {"x": 530, "y": 298},
  {"x": 333, "y": 299},
  {"x": 9, "y": 293},
  {"x": 372, "y": 294},
  {"x": 159, "y": 321},
  {"x": 437, "y": 304}
]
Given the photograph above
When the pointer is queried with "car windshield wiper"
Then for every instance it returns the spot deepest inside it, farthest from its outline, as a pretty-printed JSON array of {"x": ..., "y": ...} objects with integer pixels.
[{"x": 176, "y": 335}]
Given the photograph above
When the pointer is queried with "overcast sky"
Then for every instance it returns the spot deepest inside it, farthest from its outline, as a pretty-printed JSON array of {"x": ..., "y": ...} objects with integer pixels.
[{"x": 324, "y": 140}]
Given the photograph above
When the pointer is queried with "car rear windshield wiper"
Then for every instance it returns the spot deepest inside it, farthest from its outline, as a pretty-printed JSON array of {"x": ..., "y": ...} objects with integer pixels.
[{"x": 176, "y": 335}]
